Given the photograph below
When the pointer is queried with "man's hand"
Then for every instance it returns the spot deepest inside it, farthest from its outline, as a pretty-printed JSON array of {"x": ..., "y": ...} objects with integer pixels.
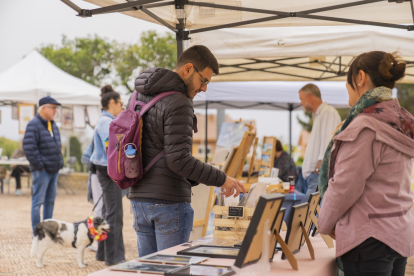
[{"x": 232, "y": 185}]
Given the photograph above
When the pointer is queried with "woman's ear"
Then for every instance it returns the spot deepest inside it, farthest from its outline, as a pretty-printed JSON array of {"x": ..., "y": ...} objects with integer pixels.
[{"x": 362, "y": 78}]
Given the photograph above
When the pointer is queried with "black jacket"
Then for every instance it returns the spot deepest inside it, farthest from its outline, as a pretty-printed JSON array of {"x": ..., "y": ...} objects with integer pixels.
[
  {"x": 41, "y": 149},
  {"x": 168, "y": 125}
]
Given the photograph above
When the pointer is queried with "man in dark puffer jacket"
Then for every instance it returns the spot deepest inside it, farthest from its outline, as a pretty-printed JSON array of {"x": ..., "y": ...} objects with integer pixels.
[
  {"x": 163, "y": 216},
  {"x": 42, "y": 147}
]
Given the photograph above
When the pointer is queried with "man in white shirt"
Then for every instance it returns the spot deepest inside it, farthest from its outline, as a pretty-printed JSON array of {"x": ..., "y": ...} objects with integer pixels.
[{"x": 325, "y": 120}]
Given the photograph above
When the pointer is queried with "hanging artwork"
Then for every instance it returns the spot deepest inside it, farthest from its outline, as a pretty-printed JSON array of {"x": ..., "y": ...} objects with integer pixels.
[
  {"x": 79, "y": 116},
  {"x": 58, "y": 115},
  {"x": 67, "y": 118},
  {"x": 15, "y": 112},
  {"x": 26, "y": 113}
]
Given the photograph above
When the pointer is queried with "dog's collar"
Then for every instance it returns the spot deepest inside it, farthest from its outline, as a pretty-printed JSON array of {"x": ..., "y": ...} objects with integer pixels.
[
  {"x": 75, "y": 230},
  {"x": 94, "y": 234}
]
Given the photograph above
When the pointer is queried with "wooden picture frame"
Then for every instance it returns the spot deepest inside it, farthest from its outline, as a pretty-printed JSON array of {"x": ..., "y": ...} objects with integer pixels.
[
  {"x": 268, "y": 155},
  {"x": 267, "y": 208},
  {"x": 313, "y": 201},
  {"x": 295, "y": 233}
]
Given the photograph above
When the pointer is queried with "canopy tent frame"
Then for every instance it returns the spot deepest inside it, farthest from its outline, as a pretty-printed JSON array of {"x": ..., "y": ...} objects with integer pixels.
[{"x": 182, "y": 34}]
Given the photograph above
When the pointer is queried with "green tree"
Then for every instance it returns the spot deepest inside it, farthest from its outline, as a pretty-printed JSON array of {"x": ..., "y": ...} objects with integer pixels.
[
  {"x": 75, "y": 150},
  {"x": 306, "y": 125},
  {"x": 98, "y": 60},
  {"x": 152, "y": 51},
  {"x": 87, "y": 58},
  {"x": 8, "y": 146},
  {"x": 405, "y": 96}
]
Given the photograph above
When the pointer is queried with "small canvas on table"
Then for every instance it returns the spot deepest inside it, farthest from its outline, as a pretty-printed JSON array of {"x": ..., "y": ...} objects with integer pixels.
[
  {"x": 201, "y": 270},
  {"x": 172, "y": 259},
  {"x": 144, "y": 268}
]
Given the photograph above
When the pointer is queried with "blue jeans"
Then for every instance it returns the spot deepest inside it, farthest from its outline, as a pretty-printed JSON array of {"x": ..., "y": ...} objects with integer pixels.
[
  {"x": 44, "y": 193},
  {"x": 161, "y": 226},
  {"x": 312, "y": 182}
]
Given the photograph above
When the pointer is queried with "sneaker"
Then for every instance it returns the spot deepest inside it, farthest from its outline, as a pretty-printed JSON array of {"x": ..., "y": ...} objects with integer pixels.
[
  {"x": 19, "y": 192},
  {"x": 92, "y": 248}
]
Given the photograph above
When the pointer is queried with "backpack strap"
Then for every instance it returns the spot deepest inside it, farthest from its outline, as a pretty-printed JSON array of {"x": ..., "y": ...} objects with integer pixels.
[
  {"x": 142, "y": 112},
  {"x": 155, "y": 100},
  {"x": 133, "y": 102}
]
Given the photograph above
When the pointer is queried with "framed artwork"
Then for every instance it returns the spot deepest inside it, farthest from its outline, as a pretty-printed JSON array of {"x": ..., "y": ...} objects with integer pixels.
[
  {"x": 58, "y": 115},
  {"x": 144, "y": 268},
  {"x": 202, "y": 270},
  {"x": 79, "y": 116},
  {"x": 15, "y": 112},
  {"x": 231, "y": 135},
  {"x": 267, "y": 208},
  {"x": 294, "y": 233},
  {"x": 268, "y": 155},
  {"x": 26, "y": 114},
  {"x": 313, "y": 201},
  {"x": 172, "y": 259},
  {"x": 224, "y": 252},
  {"x": 67, "y": 118}
]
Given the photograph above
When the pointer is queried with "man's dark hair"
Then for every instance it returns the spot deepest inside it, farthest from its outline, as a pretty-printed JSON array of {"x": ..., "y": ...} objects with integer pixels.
[
  {"x": 200, "y": 56},
  {"x": 279, "y": 145}
]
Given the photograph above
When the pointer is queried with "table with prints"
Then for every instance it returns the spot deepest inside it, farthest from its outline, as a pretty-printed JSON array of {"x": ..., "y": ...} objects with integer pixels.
[{"x": 323, "y": 265}]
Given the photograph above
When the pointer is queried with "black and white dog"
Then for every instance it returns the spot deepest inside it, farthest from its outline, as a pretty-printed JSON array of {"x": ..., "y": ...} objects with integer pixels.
[{"x": 75, "y": 235}]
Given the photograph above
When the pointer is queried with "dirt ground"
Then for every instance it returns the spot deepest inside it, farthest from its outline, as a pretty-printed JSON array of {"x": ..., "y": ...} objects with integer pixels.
[{"x": 15, "y": 237}]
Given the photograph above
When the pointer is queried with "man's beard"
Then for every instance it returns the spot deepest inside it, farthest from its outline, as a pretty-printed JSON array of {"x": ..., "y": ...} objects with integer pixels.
[{"x": 190, "y": 86}]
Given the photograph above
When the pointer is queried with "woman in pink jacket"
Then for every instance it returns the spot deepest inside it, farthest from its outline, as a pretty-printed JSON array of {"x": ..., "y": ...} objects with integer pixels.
[{"x": 366, "y": 173}]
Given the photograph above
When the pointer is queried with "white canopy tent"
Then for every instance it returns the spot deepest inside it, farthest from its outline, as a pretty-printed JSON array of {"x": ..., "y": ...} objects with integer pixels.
[
  {"x": 35, "y": 77},
  {"x": 300, "y": 53},
  {"x": 190, "y": 17},
  {"x": 276, "y": 95}
]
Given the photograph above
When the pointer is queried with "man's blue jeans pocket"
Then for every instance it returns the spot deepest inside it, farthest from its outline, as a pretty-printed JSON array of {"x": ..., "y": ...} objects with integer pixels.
[{"x": 166, "y": 217}]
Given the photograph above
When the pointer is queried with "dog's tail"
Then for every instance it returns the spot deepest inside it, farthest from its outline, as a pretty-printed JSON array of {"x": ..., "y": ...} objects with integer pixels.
[{"x": 39, "y": 232}]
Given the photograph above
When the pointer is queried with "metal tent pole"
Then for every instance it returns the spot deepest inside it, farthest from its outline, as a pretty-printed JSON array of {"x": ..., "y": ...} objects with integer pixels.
[
  {"x": 206, "y": 136},
  {"x": 290, "y": 128}
]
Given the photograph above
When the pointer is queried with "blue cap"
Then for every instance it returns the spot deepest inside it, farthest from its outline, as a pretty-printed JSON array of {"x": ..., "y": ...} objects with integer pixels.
[{"x": 48, "y": 100}]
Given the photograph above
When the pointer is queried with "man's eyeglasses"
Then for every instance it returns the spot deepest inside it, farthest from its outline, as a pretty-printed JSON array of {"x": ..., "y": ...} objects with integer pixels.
[
  {"x": 204, "y": 81},
  {"x": 52, "y": 107}
]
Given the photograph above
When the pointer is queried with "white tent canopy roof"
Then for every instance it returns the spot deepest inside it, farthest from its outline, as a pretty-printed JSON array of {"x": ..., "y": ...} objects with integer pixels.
[
  {"x": 205, "y": 13},
  {"x": 268, "y": 94},
  {"x": 35, "y": 77},
  {"x": 266, "y": 52}
]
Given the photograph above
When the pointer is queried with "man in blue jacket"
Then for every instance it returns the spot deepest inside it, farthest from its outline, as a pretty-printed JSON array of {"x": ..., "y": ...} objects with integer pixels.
[{"x": 42, "y": 146}]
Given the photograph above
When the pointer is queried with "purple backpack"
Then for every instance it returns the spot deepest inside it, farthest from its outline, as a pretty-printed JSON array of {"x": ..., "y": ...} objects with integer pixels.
[{"x": 124, "y": 146}]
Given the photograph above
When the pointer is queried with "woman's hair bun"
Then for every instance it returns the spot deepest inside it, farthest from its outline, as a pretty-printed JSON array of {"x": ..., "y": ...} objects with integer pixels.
[
  {"x": 392, "y": 67},
  {"x": 106, "y": 89}
]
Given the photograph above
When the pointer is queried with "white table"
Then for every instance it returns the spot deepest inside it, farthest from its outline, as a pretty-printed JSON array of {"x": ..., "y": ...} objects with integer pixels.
[
  {"x": 323, "y": 265},
  {"x": 16, "y": 162},
  {"x": 23, "y": 162}
]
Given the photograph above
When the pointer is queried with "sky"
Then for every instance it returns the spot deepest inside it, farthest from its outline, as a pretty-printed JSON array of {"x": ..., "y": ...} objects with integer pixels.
[{"x": 26, "y": 25}]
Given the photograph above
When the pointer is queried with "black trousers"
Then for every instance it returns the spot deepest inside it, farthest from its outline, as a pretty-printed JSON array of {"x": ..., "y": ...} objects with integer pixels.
[
  {"x": 390, "y": 264},
  {"x": 112, "y": 249},
  {"x": 16, "y": 172}
]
